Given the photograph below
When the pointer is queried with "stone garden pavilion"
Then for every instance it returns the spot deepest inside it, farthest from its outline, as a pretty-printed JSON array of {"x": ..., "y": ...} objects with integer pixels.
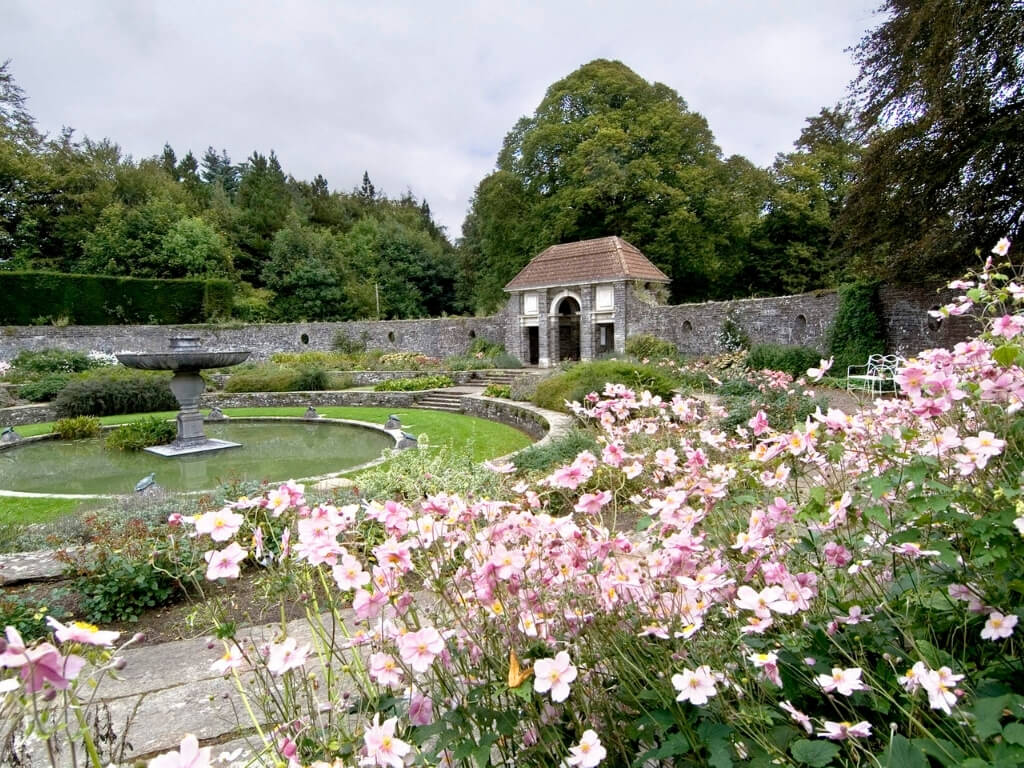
[{"x": 572, "y": 300}]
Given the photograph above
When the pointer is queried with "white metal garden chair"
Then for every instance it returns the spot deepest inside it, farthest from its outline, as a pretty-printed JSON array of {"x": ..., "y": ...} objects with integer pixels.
[{"x": 877, "y": 376}]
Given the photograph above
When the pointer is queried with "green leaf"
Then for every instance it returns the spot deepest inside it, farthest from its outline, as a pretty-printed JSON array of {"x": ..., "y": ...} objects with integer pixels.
[
  {"x": 716, "y": 738},
  {"x": 816, "y": 754},
  {"x": 524, "y": 691},
  {"x": 901, "y": 753},
  {"x": 947, "y": 753},
  {"x": 676, "y": 744},
  {"x": 1006, "y": 354},
  {"x": 987, "y": 713},
  {"x": 1014, "y": 733}
]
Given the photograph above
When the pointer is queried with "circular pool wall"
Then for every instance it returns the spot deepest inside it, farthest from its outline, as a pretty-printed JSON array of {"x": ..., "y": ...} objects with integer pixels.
[{"x": 270, "y": 451}]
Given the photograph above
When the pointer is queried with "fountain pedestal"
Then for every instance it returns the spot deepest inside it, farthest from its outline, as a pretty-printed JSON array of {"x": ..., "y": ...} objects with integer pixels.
[{"x": 187, "y": 359}]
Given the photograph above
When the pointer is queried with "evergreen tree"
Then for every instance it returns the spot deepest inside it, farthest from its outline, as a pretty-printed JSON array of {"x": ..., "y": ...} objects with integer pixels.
[
  {"x": 169, "y": 162},
  {"x": 367, "y": 191}
]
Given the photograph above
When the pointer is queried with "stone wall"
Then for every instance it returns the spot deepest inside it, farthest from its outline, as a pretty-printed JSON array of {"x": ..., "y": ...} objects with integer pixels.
[
  {"x": 439, "y": 337},
  {"x": 802, "y": 320}
]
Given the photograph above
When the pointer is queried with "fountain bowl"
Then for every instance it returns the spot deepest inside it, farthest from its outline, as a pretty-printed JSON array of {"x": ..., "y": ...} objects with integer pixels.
[
  {"x": 186, "y": 359},
  {"x": 183, "y": 360}
]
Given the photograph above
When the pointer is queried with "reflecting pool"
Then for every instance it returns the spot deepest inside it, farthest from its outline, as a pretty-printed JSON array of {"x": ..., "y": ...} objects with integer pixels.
[{"x": 270, "y": 451}]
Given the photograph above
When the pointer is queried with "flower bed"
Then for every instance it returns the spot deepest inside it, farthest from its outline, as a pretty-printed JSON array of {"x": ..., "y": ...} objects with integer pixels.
[{"x": 843, "y": 590}]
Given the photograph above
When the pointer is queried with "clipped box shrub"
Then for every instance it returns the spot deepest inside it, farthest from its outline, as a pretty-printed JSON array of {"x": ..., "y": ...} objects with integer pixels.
[
  {"x": 583, "y": 378},
  {"x": 777, "y": 357},
  {"x": 110, "y": 391}
]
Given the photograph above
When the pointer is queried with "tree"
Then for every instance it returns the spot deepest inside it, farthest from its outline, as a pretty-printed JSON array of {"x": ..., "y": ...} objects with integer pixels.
[
  {"x": 16, "y": 124},
  {"x": 608, "y": 153},
  {"x": 796, "y": 244},
  {"x": 218, "y": 170},
  {"x": 941, "y": 92},
  {"x": 264, "y": 202},
  {"x": 414, "y": 273},
  {"x": 304, "y": 270},
  {"x": 169, "y": 162},
  {"x": 193, "y": 248},
  {"x": 367, "y": 191},
  {"x": 24, "y": 184}
]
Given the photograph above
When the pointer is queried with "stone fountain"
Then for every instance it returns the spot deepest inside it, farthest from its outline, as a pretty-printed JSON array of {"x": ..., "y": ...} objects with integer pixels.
[{"x": 186, "y": 358}]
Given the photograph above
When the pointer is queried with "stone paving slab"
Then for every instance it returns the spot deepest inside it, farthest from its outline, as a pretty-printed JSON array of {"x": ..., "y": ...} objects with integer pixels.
[{"x": 21, "y": 567}]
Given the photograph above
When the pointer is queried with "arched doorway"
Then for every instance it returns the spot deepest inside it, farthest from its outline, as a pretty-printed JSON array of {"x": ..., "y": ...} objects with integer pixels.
[{"x": 568, "y": 312}]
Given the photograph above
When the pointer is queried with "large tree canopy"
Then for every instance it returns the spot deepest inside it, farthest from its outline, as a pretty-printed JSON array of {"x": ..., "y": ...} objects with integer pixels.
[
  {"x": 941, "y": 93},
  {"x": 607, "y": 152}
]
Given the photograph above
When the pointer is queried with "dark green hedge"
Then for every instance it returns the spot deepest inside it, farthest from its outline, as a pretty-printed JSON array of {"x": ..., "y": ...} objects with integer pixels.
[{"x": 30, "y": 297}]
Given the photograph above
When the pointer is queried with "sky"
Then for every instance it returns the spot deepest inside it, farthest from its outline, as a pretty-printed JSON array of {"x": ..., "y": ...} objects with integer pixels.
[{"x": 418, "y": 94}]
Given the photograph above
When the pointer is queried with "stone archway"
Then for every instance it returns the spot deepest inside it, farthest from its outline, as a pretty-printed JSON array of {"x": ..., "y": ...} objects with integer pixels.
[{"x": 567, "y": 328}]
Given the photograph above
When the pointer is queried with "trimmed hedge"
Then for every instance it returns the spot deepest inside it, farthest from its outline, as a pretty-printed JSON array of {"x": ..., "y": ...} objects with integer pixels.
[
  {"x": 105, "y": 300},
  {"x": 110, "y": 391}
]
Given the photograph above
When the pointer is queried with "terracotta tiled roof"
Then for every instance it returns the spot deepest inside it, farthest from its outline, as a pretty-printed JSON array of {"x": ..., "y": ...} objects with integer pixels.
[{"x": 600, "y": 260}]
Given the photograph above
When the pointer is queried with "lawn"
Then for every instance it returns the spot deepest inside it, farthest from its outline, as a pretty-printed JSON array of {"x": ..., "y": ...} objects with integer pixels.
[{"x": 14, "y": 509}]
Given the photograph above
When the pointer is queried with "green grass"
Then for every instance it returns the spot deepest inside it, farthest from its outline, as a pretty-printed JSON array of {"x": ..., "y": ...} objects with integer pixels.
[
  {"x": 487, "y": 439},
  {"x": 26, "y": 511}
]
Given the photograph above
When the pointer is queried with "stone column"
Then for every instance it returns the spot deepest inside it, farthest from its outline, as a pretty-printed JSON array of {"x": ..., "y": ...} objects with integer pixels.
[
  {"x": 544, "y": 332},
  {"x": 586, "y": 322},
  {"x": 621, "y": 319},
  {"x": 513, "y": 326}
]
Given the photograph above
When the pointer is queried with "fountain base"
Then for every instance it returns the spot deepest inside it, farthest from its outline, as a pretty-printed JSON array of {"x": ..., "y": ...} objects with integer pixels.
[{"x": 208, "y": 445}]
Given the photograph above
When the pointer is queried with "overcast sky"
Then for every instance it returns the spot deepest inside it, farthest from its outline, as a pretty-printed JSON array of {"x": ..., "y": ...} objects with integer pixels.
[{"x": 418, "y": 93}]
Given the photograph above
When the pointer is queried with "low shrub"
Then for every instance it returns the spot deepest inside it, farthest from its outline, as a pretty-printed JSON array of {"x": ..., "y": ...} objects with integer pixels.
[
  {"x": 649, "y": 346},
  {"x": 111, "y": 391},
  {"x": 505, "y": 360},
  {"x": 347, "y": 345},
  {"x": 265, "y": 378},
  {"x": 141, "y": 434},
  {"x": 414, "y": 384},
  {"x": 282, "y": 378},
  {"x": 498, "y": 390},
  {"x": 131, "y": 567},
  {"x": 559, "y": 450},
  {"x": 524, "y": 387},
  {"x": 77, "y": 427},
  {"x": 413, "y": 474},
  {"x": 583, "y": 378},
  {"x": 53, "y": 360},
  {"x": 45, "y": 388},
  {"x": 774, "y": 393},
  {"x": 777, "y": 357},
  {"x": 27, "y": 617},
  {"x": 311, "y": 380}
]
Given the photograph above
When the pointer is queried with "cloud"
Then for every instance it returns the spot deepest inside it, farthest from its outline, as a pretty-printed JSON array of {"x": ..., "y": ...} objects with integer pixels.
[{"x": 418, "y": 94}]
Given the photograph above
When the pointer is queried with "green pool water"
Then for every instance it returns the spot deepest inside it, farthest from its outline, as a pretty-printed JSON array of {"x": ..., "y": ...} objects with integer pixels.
[{"x": 269, "y": 452}]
